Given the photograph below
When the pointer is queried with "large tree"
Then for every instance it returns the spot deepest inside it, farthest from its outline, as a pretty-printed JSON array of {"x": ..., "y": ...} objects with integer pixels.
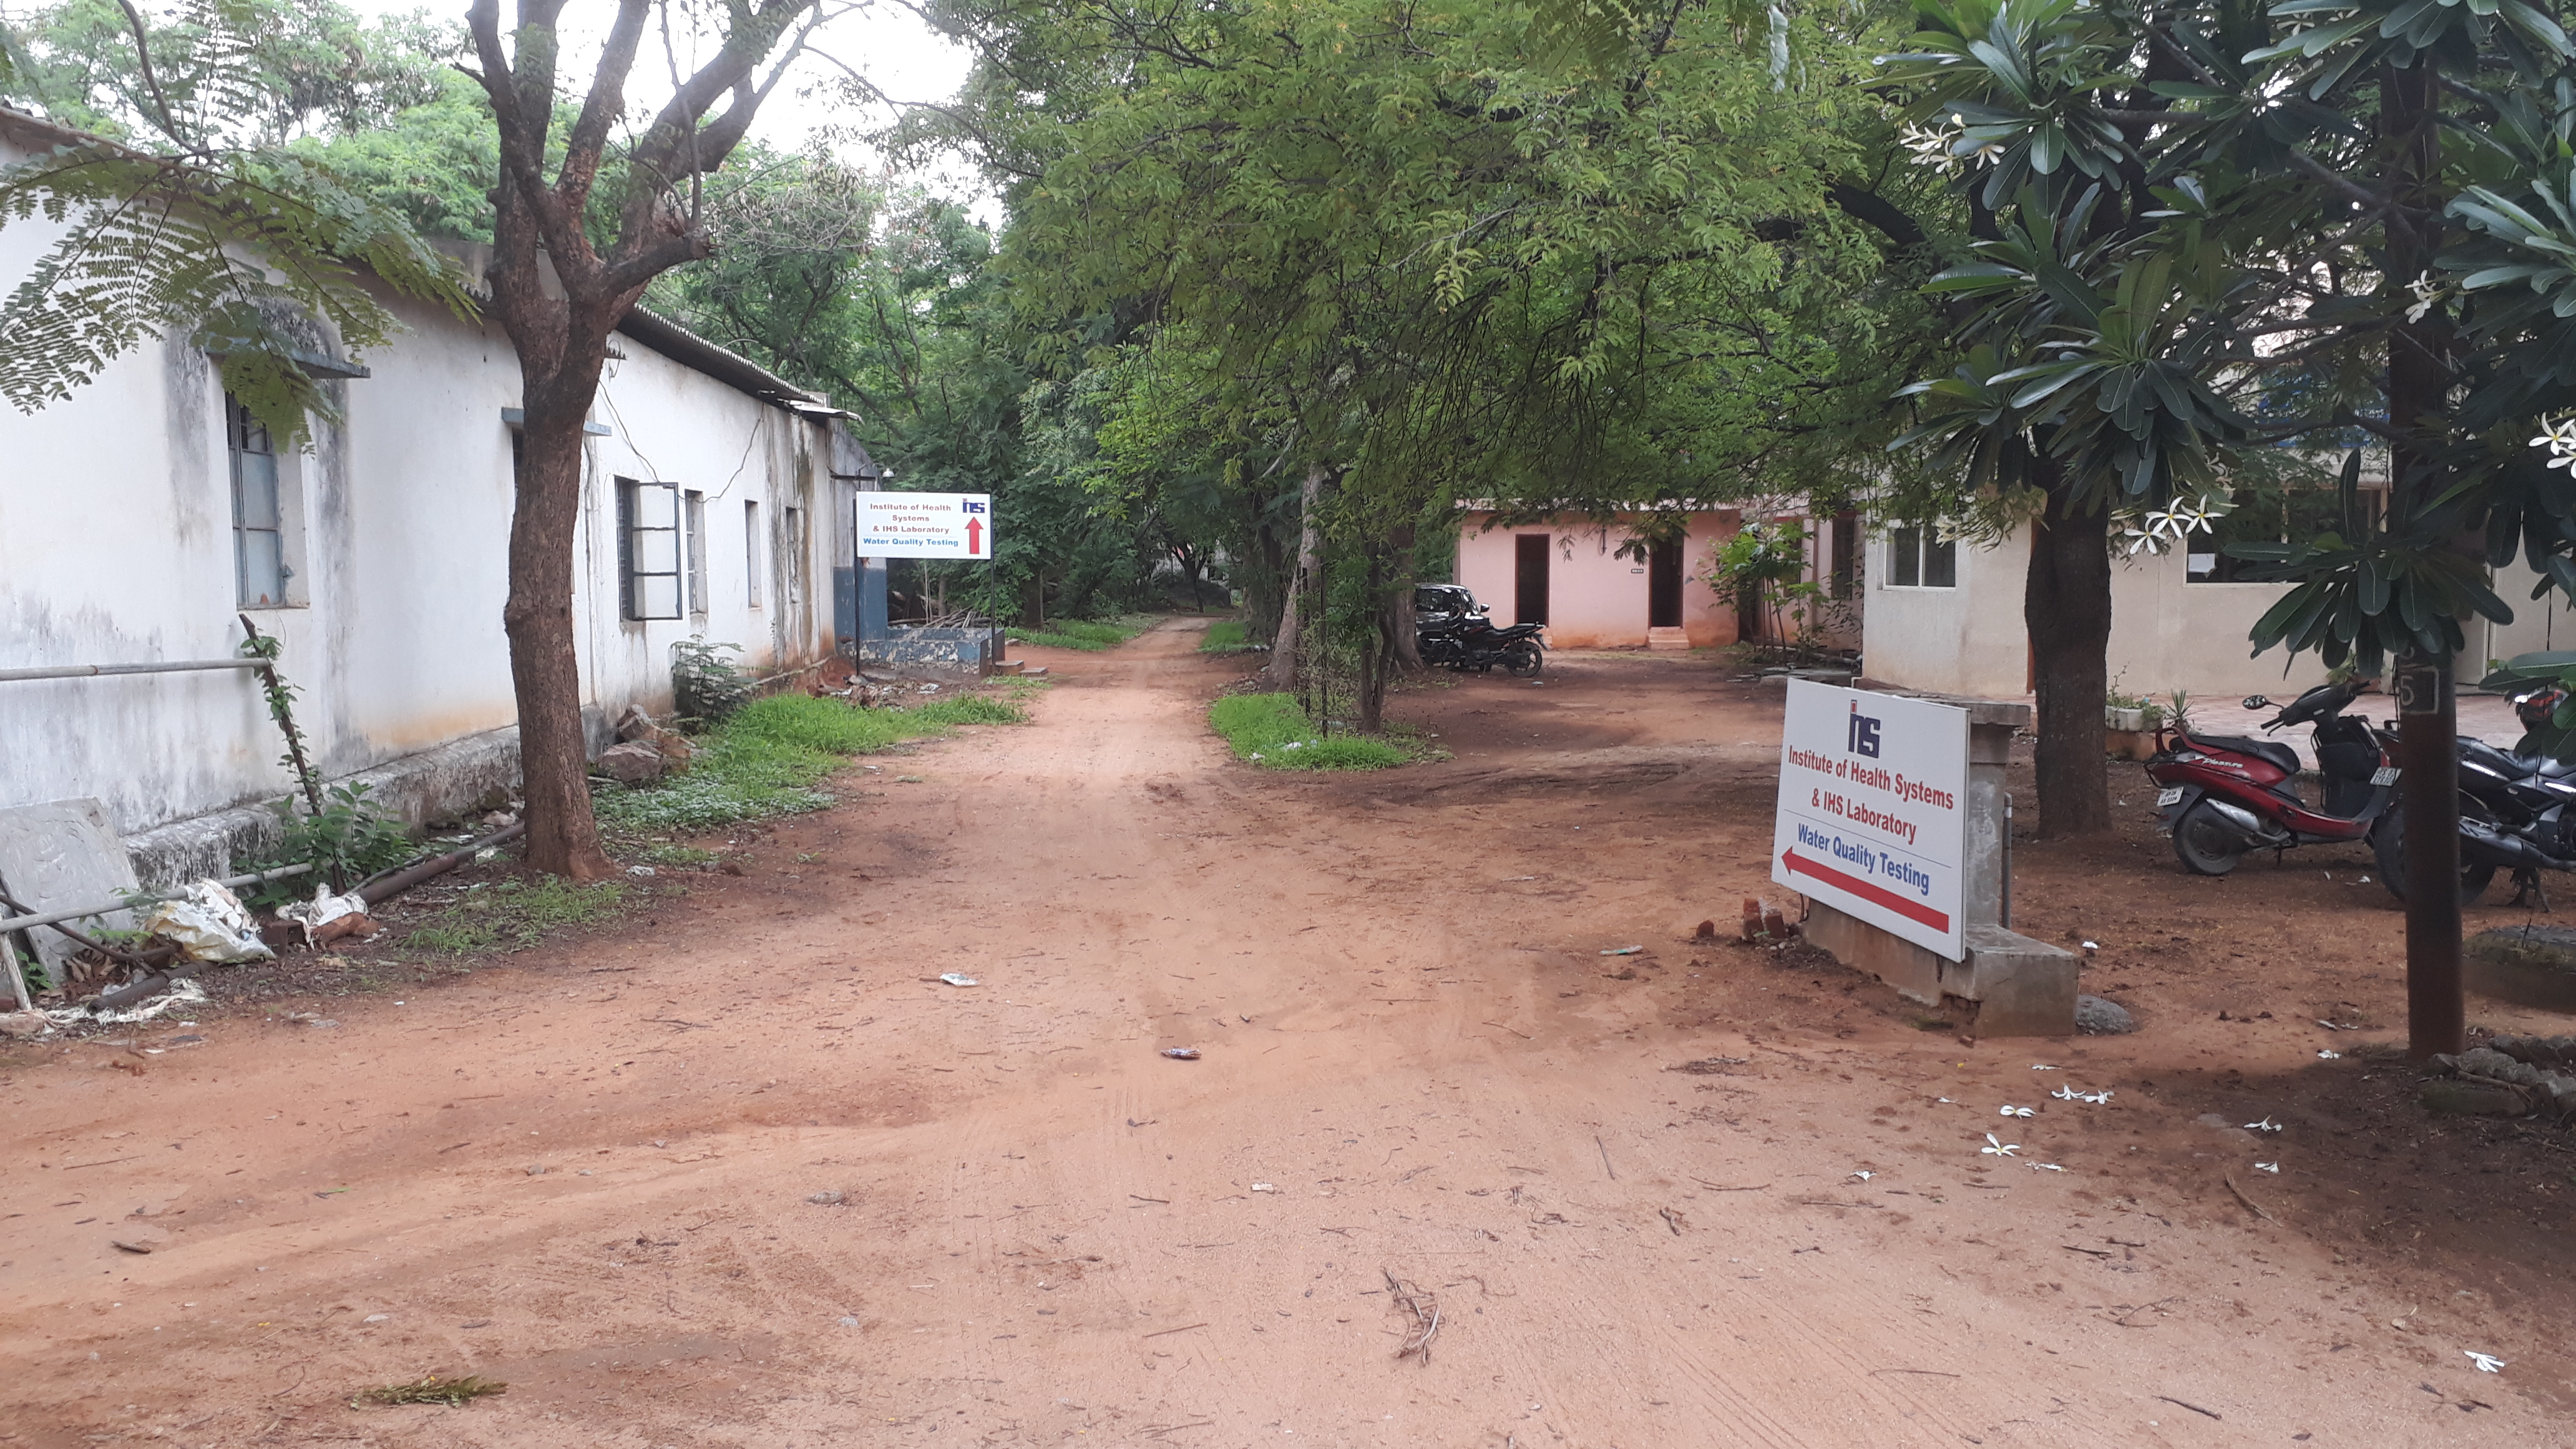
[{"x": 568, "y": 261}]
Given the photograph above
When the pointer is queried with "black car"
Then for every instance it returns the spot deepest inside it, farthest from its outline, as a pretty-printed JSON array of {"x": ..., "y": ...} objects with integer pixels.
[{"x": 1443, "y": 603}]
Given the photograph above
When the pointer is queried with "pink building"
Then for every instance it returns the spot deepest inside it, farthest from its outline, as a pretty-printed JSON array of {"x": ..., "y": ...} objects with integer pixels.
[{"x": 1571, "y": 576}]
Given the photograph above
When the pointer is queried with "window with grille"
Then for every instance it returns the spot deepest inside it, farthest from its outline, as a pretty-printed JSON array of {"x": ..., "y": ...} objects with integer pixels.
[
  {"x": 260, "y": 570},
  {"x": 648, "y": 555}
]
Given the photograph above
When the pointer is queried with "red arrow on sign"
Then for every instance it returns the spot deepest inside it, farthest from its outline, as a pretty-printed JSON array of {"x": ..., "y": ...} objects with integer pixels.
[
  {"x": 974, "y": 538},
  {"x": 1874, "y": 894}
]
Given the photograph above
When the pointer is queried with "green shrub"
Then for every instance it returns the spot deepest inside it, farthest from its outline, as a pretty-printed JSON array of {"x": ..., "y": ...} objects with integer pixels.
[{"x": 1269, "y": 730}]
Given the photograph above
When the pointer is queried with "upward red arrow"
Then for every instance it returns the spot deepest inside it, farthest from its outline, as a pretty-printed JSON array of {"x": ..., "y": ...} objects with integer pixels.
[
  {"x": 974, "y": 538},
  {"x": 1875, "y": 894}
]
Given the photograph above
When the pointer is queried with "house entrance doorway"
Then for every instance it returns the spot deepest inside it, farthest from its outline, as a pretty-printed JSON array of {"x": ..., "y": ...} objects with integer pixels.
[
  {"x": 1529, "y": 577},
  {"x": 1664, "y": 586}
]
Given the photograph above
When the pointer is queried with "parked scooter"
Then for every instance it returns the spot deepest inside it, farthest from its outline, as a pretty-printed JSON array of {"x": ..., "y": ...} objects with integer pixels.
[{"x": 2225, "y": 795}]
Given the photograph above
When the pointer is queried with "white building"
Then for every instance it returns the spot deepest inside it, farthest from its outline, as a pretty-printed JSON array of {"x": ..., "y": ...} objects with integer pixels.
[{"x": 139, "y": 518}]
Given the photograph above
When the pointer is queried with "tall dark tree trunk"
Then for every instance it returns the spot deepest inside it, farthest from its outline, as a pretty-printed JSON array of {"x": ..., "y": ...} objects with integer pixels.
[
  {"x": 2066, "y": 606},
  {"x": 1290, "y": 641},
  {"x": 545, "y": 672},
  {"x": 1406, "y": 659},
  {"x": 2419, "y": 379}
]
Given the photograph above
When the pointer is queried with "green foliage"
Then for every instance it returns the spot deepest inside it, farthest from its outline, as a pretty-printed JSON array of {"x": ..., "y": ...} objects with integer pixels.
[
  {"x": 1269, "y": 730},
  {"x": 705, "y": 687},
  {"x": 202, "y": 224},
  {"x": 1225, "y": 636},
  {"x": 768, "y": 758},
  {"x": 514, "y": 914},
  {"x": 1085, "y": 634},
  {"x": 348, "y": 840}
]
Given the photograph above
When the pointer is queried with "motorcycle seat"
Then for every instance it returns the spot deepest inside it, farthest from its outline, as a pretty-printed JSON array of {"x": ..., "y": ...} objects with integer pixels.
[
  {"x": 2513, "y": 766},
  {"x": 2271, "y": 752}
]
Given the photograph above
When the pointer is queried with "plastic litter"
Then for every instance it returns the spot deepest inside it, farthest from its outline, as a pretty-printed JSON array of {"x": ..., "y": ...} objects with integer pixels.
[
  {"x": 958, "y": 978},
  {"x": 2266, "y": 1125},
  {"x": 324, "y": 909},
  {"x": 1624, "y": 951},
  {"x": 2487, "y": 1363},
  {"x": 2045, "y": 1067},
  {"x": 209, "y": 924},
  {"x": 1864, "y": 1175},
  {"x": 1264, "y": 1187},
  {"x": 2046, "y": 1167},
  {"x": 2329, "y": 1056},
  {"x": 181, "y": 993},
  {"x": 2273, "y": 1168},
  {"x": 1182, "y": 1054}
]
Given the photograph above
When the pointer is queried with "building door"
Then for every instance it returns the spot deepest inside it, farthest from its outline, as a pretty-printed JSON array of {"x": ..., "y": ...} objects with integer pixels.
[
  {"x": 1529, "y": 577},
  {"x": 1664, "y": 586}
]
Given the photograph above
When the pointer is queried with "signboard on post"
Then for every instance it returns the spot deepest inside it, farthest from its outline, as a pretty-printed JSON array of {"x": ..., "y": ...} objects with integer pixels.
[
  {"x": 925, "y": 525},
  {"x": 1873, "y": 812}
]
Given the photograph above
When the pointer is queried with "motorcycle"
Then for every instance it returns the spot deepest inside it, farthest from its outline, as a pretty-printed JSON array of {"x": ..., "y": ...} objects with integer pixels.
[
  {"x": 2514, "y": 816},
  {"x": 1452, "y": 630},
  {"x": 2221, "y": 796},
  {"x": 1473, "y": 643}
]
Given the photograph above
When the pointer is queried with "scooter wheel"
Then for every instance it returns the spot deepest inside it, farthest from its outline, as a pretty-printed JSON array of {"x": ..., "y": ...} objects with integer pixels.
[
  {"x": 2388, "y": 852},
  {"x": 2204, "y": 842}
]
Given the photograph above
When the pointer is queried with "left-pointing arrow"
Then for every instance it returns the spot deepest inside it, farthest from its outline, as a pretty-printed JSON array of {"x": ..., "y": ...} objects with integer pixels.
[{"x": 1876, "y": 895}]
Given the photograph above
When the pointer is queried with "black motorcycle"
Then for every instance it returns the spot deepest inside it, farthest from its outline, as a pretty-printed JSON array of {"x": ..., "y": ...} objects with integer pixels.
[
  {"x": 1453, "y": 631},
  {"x": 1473, "y": 643},
  {"x": 2514, "y": 815}
]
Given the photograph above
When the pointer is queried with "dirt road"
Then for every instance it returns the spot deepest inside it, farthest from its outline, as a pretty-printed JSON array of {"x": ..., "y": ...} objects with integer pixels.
[{"x": 592, "y": 1172}]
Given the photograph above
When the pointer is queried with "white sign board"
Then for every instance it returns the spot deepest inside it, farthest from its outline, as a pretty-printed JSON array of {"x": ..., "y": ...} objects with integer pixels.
[
  {"x": 1873, "y": 814},
  {"x": 925, "y": 525}
]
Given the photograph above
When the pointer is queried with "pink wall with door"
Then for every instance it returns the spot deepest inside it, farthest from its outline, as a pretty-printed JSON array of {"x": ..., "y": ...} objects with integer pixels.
[{"x": 1589, "y": 596}]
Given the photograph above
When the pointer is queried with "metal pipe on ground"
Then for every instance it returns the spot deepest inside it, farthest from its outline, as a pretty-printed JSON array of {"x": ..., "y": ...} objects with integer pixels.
[{"x": 386, "y": 887}]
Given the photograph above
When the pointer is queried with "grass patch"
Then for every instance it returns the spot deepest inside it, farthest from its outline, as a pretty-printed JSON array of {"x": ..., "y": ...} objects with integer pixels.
[
  {"x": 515, "y": 914},
  {"x": 682, "y": 857},
  {"x": 1089, "y": 635},
  {"x": 1269, "y": 730},
  {"x": 1226, "y": 636},
  {"x": 768, "y": 758}
]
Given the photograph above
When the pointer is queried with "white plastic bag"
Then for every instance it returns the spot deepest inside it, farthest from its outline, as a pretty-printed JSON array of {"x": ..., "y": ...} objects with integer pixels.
[
  {"x": 322, "y": 910},
  {"x": 209, "y": 924}
]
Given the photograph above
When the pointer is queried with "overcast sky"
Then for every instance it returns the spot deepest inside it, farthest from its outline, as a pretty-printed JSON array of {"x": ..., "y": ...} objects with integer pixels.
[{"x": 888, "y": 44}]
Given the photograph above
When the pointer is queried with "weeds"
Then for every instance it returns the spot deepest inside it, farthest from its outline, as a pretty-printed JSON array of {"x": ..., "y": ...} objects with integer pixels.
[
  {"x": 1089, "y": 635},
  {"x": 1269, "y": 730},
  {"x": 513, "y": 915},
  {"x": 768, "y": 758},
  {"x": 1226, "y": 636}
]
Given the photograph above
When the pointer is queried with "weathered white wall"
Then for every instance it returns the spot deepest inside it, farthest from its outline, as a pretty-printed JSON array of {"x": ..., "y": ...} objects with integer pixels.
[
  {"x": 1963, "y": 640},
  {"x": 116, "y": 547},
  {"x": 1596, "y": 599},
  {"x": 2167, "y": 633}
]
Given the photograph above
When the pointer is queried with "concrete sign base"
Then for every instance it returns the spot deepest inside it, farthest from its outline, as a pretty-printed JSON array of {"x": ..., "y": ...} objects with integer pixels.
[
  {"x": 2011, "y": 985},
  {"x": 58, "y": 855}
]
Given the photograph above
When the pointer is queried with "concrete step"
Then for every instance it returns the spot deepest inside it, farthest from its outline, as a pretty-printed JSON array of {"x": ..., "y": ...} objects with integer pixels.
[{"x": 1667, "y": 639}]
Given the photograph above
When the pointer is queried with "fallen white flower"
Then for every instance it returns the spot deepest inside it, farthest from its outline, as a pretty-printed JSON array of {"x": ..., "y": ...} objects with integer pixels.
[
  {"x": 2046, "y": 1167},
  {"x": 2015, "y": 1112},
  {"x": 1994, "y": 1148},
  {"x": 2487, "y": 1363},
  {"x": 2266, "y": 1125},
  {"x": 2271, "y": 1167},
  {"x": 1864, "y": 1176},
  {"x": 2328, "y": 1056}
]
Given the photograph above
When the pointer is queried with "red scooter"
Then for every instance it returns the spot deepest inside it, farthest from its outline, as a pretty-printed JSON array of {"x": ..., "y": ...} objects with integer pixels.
[{"x": 2225, "y": 795}]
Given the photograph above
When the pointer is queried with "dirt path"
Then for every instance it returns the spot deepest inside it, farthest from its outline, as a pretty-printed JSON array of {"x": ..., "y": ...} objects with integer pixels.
[{"x": 593, "y": 1177}]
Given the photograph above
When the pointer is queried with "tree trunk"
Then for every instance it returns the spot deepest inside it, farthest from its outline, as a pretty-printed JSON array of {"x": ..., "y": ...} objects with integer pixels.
[
  {"x": 545, "y": 671},
  {"x": 1404, "y": 643},
  {"x": 2419, "y": 380},
  {"x": 2066, "y": 605},
  {"x": 1289, "y": 640}
]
